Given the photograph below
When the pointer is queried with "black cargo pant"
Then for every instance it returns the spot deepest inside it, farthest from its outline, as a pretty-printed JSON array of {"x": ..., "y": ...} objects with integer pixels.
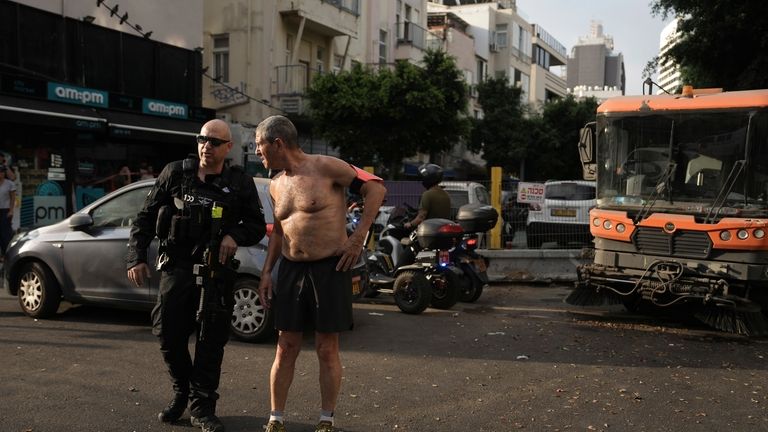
[{"x": 173, "y": 321}]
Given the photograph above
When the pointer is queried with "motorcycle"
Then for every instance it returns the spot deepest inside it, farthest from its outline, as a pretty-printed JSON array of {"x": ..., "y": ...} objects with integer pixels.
[
  {"x": 415, "y": 266},
  {"x": 473, "y": 219}
]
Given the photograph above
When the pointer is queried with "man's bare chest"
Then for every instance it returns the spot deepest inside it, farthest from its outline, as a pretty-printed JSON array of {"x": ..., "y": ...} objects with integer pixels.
[{"x": 303, "y": 196}]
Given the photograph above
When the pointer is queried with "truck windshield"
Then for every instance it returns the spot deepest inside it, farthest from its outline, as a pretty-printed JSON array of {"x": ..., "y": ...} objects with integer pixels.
[{"x": 636, "y": 153}]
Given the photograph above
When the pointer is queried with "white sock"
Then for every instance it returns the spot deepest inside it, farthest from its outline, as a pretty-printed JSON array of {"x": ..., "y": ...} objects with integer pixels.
[
  {"x": 326, "y": 416},
  {"x": 276, "y": 416}
]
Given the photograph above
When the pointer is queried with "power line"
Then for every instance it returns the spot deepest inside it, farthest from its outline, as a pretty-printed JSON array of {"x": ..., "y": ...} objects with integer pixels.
[
  {"x": 240, "y": 92},
  {"x": 114, "y": 11}
]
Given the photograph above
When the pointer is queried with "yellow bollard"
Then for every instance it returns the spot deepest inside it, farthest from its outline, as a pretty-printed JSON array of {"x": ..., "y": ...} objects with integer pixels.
[{"x": 496, "y": 203}]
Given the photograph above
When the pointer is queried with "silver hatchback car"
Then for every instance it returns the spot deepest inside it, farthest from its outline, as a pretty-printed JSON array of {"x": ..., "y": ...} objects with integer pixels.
[{"x": 82, "y": 260}]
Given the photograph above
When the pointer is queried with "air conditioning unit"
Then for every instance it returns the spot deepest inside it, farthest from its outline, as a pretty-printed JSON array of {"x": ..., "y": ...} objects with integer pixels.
[
  {"x": 227, "y": 117},
  {"x": 291, "y": 105},
  {"x": 494, "y": 47}
]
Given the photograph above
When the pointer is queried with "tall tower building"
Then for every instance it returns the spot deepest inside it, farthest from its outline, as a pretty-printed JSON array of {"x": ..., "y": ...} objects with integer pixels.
[
  {"x": 669, "y": 71},
  {"x": 594, "y": 63}
]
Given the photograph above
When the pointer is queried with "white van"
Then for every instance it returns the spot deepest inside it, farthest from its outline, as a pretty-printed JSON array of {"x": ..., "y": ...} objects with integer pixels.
[{"x": 465, "y": 192}]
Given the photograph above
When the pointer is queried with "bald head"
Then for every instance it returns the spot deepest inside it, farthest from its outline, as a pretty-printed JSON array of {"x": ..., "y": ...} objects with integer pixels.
[{"x": 217, "y": 128}]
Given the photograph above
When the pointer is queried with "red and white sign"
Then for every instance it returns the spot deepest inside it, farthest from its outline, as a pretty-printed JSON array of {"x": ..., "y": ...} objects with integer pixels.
[{"x": 530, "y": 192}]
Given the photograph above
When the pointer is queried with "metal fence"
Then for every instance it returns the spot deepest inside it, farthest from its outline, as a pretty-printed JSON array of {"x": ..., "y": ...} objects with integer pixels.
[{"x": 560, "y": 222}]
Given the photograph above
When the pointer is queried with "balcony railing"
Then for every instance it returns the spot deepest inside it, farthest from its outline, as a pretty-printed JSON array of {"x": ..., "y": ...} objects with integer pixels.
[
  {"x": 417, "y": 36},
  {"x": 520, "y": 55},
  {"x": 293, "y": 80},
  {"x": 351, "y": 6},
  {"x": 550, "y": 40}
]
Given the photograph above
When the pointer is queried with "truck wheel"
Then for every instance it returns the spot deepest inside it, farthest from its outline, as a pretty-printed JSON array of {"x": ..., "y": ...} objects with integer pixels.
[
  {"x": 445, "y": 289},
  {"x": 251, "y": 321},
  {"x": 38, "y": 290},
  {"x": 413, "y": 292}
]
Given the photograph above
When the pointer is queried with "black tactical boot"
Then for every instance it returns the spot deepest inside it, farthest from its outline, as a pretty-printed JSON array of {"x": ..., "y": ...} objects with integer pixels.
[
  {"x": 209, "y": 423},
  {"x": 175, "y": 408}
]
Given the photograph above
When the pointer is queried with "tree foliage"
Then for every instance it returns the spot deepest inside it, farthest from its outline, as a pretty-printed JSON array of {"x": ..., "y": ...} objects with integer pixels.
[
  {"x": 557, "y": 156},
  {"x": 380, "y": 117},
  {"x": 543, "y": 145},
  {"x": 502, "y": 133},
  {"x": 722, "y": 43}
]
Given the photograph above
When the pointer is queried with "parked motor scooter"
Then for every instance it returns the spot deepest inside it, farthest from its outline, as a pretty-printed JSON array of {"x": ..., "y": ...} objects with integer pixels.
[
  {"x": 474, "y": 219},
  {"x": 414, "y": 258}
]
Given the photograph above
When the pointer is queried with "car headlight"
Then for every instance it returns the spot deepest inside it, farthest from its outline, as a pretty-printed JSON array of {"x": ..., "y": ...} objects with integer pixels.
[{"x": 22, "y": 235}]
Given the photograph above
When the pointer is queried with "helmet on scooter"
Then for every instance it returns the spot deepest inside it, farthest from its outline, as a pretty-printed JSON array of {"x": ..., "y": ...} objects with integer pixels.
[{"x": 431, "y": 175}]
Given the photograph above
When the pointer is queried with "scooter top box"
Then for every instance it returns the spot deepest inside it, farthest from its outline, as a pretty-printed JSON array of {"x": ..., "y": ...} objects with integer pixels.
[
  {"x": 475, "y": 218},
  {"x": 438, "y": 234}
]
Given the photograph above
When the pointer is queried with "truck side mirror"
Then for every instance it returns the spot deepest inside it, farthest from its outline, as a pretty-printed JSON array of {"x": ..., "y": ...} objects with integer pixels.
[
  {"x": 587, "y": 151},
  {"x": 587, "y": 142}
]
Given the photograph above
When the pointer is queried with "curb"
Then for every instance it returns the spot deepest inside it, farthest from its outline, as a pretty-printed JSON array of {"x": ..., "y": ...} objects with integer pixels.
[{"x": 535, "y": 265}]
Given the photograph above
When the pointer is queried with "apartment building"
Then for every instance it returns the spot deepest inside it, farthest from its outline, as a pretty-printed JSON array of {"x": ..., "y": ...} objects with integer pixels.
[
  {"x": 510, "y": 46},
  {"x": 261, "y": 56},
  {"x": 594, "y": 63},
  {"x": 669, "y": 71}
]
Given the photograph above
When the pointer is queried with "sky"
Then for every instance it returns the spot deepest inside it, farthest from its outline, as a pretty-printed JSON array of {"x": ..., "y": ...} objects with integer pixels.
[{"x": 635, "y": 31}]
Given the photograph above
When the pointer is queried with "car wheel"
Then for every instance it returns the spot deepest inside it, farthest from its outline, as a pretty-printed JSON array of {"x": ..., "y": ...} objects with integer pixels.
[
  {"x": 38, "y": 290},
  {"x": 251, "y": 321}
]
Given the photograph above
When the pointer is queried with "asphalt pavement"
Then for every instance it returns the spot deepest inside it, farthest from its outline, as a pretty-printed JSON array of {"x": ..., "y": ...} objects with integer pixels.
[{"x": 518, "y": 359}]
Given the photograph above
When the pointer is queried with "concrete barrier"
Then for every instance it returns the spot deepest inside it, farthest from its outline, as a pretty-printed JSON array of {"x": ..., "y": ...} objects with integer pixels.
[{"x": 535, "y": 265}]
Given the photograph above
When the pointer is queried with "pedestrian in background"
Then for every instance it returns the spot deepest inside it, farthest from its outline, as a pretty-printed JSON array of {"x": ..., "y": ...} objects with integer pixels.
[
  {"x": 7, "y": 204},
  {"x": 9, "y": 172}
]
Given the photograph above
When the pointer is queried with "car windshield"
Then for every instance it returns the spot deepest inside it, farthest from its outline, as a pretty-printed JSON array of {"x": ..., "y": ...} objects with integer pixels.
[
  {"x": 684, "y": 161},
  {"x": 569, "y": 191}
]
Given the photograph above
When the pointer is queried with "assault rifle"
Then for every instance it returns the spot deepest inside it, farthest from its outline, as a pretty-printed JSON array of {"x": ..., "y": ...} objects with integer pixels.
[{"x": 214, "y": 279}]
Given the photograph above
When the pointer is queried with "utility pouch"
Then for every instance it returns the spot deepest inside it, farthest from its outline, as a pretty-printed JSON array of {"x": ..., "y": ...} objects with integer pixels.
[
  {"x": 179, "y": 229},
  {"x": 163, "y": 223}
]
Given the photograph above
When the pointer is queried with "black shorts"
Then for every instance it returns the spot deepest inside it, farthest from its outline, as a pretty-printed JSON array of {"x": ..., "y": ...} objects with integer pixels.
[{"x": 312, "y": 295}]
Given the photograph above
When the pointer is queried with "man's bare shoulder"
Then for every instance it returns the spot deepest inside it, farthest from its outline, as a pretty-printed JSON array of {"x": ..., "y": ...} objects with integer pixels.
[
  {"x": 334, "y": 168},
  {"x": 329, "y": 162}
]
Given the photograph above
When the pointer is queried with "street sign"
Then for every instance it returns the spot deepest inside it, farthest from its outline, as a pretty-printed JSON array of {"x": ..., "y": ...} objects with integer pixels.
[{"x": 530, "y": 192}]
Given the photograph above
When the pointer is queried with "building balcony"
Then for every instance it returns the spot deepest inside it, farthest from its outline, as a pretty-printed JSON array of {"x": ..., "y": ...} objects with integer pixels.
[
  {"x": 290, "y": 86},
  {"x": 557, "y": 52},
  {"x": 413, "y": 40},
  {"x": 329, "y": 18}
]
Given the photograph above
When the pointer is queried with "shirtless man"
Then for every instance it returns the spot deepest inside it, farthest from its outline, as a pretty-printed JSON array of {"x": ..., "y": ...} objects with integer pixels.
[{"x": 313, "y": 285}]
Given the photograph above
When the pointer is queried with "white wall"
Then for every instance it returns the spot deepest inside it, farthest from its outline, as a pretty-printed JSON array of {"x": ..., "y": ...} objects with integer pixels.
[{"x": 175, "y": 22}]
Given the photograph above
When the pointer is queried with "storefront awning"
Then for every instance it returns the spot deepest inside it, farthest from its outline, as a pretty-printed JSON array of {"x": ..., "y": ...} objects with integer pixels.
[
  {"x": 144, "y": 127},
  {"x": 36, "y": 112}
]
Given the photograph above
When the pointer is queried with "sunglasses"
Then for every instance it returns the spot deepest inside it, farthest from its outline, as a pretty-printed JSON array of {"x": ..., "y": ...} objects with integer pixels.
[{"x": 202, "y": 139}]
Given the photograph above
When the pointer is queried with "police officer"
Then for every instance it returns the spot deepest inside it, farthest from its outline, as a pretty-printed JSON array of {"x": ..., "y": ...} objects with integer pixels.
[
  {"x": 435, "y": 202},
  {"x": 183, "y": 197}
]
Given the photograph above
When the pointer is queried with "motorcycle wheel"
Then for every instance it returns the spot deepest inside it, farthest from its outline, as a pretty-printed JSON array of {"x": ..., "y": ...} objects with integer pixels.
[
  {"x": 412, "y": 292},
  {"x": 445, "y": 289},
  {"x": 370, "y": 290},
  {"x": 471, "y": 287}
]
